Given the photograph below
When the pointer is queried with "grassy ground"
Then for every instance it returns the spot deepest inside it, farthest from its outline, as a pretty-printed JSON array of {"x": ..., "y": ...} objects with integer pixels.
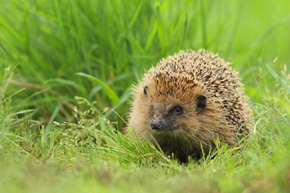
[{"x": 53, "y": 141}]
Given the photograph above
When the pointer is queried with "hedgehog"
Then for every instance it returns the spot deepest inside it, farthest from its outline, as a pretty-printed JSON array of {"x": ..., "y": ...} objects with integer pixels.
[{"x": 188, "y": 102}]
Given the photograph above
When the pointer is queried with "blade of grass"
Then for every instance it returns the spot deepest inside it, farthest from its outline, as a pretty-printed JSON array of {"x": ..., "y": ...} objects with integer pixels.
[
  {"x": 278, "y": 78},
  {"x": 111, "y": 94}
]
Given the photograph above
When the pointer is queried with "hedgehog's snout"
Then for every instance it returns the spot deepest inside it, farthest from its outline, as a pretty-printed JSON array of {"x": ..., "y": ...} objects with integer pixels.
[{"x": 158, "y": 123}]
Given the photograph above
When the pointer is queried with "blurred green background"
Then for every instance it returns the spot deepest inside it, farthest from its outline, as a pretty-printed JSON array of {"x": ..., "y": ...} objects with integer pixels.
[{"x": 47, "y": 42}]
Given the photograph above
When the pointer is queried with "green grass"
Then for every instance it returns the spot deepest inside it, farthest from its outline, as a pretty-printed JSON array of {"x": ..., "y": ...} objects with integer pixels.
[{"x": 57, "y": 57}]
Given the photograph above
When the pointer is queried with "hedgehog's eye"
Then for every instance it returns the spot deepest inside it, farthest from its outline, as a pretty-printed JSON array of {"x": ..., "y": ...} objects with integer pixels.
[
  {"x": 200, "y": 103},
  {"x": 177, "y": 110},
  {"x": 145, "y": 90}
]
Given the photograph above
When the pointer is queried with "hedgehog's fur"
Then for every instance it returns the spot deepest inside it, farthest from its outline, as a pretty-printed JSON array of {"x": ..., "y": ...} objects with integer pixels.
[{"x": 199, "y": 99}]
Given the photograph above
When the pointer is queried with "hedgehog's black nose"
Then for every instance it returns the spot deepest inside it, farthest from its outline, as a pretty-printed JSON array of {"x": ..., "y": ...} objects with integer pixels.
[{"x": 157, "y": 124}]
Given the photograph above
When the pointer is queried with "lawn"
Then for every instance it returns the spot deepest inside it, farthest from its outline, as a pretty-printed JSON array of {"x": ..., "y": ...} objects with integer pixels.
[{"x": 66, "y": 73}]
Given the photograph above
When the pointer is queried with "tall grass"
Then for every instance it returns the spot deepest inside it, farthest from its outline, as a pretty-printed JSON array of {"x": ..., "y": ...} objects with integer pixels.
[{"x": 51, "y": 41}]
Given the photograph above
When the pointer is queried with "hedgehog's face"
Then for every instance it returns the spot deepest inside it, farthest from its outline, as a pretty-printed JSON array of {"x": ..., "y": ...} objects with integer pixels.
[{"x": 173, "y": 109}]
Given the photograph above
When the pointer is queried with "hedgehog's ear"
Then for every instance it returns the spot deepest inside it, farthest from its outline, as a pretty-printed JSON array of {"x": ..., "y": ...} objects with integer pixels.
[
  {"x": 200, "y": 103},
  {"x": 145, "y": 90}
]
